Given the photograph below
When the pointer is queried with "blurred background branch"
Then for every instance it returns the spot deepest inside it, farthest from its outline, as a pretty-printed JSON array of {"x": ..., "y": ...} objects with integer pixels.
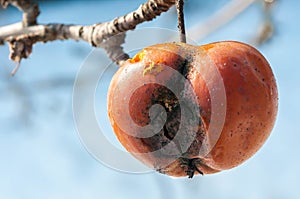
[
  {"x": 266, "y": 29},
  {"x": 225, "y": 14}
]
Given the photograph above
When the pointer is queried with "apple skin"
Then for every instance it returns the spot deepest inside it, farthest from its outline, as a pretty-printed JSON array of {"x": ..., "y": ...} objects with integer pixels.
[{"x": 235, "y": 92}]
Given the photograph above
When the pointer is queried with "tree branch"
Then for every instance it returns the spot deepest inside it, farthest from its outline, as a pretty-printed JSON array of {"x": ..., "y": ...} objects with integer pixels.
[
  {"x": 21, "y": 38},
  {"x": 29, "y": 8},
  {"x": 181, "y": 26}
]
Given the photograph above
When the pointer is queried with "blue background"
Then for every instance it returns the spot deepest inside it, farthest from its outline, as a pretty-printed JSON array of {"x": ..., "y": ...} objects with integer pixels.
[{"x": 41, "y": 155}]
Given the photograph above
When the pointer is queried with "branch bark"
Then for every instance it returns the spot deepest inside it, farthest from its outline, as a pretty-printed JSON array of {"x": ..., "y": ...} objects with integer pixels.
[
  {"x": 181, "y": 26},
  {"x": 108, "y": 35},
  {"x": 29, "y": 8}
]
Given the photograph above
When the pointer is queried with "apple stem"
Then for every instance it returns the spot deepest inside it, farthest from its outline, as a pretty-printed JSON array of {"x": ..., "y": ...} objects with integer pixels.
[{"x": 181, "y": 27}]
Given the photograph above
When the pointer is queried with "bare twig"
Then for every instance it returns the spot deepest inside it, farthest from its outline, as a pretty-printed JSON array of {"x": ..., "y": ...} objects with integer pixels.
[
  {"x": 29, "y": 8},
  {"x": 114, "y": 50},
  {"x": 22, "y": 38},
  {"x": 180, "y": 14}
]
